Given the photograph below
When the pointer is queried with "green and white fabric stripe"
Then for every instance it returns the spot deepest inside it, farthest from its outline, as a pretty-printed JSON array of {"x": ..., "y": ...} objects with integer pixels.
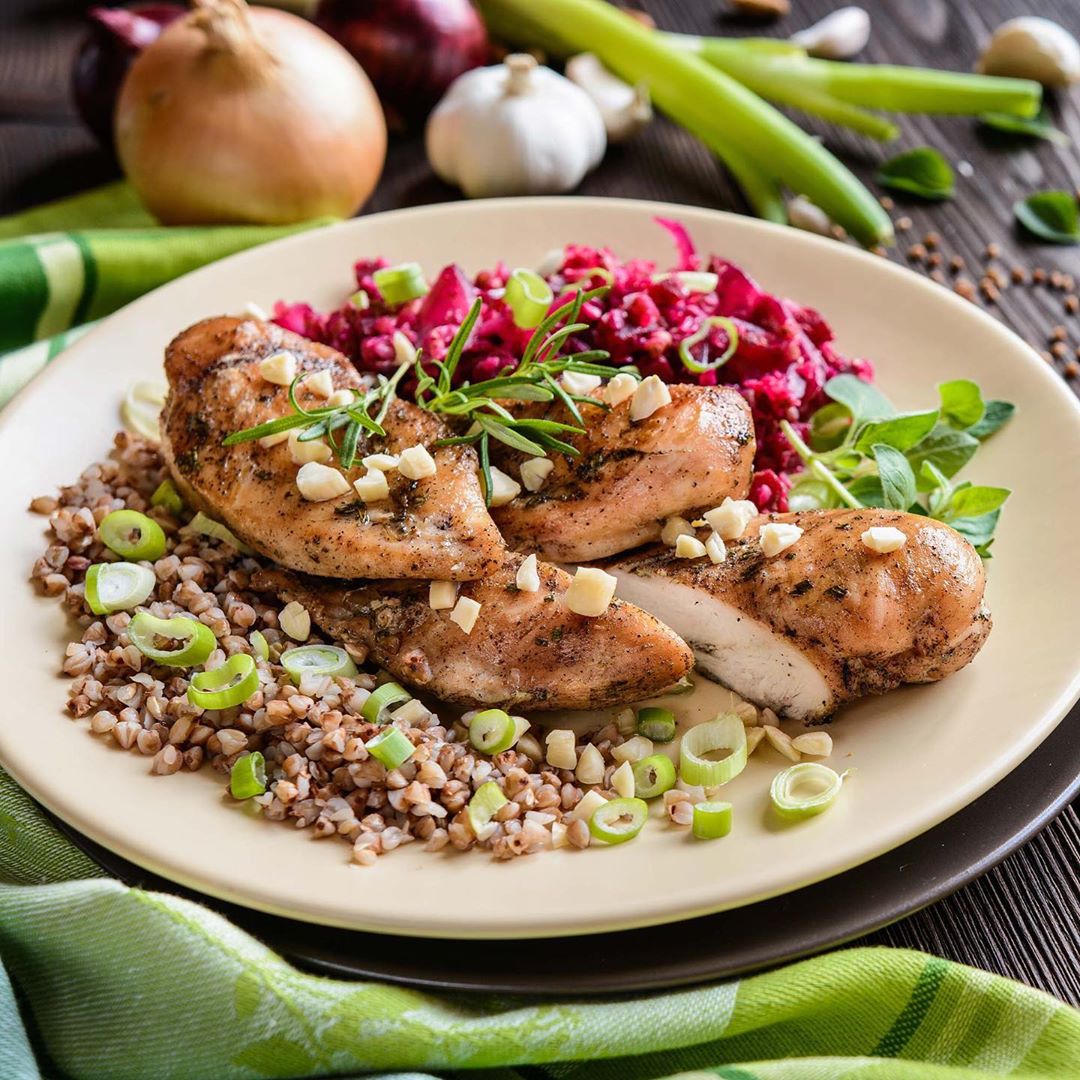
[
  {"x": 19, "y": 367},
  {"x": 125, "y": 985}
]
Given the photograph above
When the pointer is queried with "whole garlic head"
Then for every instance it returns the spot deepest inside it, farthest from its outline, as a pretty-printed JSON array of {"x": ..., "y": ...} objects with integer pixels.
[
  {"x": 1032, "y": 48},
  {"x": 514, "y": 129}
]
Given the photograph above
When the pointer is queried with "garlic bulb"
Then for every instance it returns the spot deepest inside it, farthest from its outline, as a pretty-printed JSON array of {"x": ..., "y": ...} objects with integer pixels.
[
  {"x": 839, "y": 36},
  {"x": 1032, "y": 48},
  {"x": 514, "y": 129},
  {"x": 625, "y": 108}
]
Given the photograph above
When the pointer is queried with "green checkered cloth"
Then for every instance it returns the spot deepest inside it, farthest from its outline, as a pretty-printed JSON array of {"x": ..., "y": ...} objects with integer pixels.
[{"x": 113, "y": 983}]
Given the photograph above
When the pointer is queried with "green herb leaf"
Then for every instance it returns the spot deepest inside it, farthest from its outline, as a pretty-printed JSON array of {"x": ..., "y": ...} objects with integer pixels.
[
  {"x": 996, "y": 415},
  {"x": 1036, "y": 127},
  {"x": 946, "y": 448},
  {"x": 868, "y": 490},
  {"x": 977, "y": 530},
  {"x": 810, "y": 494},
  {"x": 975, "y": 501},
  {"x": 863, "y": 401},
  {"x": 829, "y": 426},
  {"x": 896, "y": 476},
  {"x": 922, "y": 171},
  {"x": 901, "y": 432},
  {"x": 961, "y": 403},
  {"x": 1050, "y": 215}
]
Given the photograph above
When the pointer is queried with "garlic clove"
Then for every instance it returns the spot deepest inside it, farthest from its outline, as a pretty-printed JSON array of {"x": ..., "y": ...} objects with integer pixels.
[
  {"x": 625, "y": 108},
  {"x": 803, "y": 214},
  {"x": 1032, "y": 48},
  {"x": 839, "y": 36}
]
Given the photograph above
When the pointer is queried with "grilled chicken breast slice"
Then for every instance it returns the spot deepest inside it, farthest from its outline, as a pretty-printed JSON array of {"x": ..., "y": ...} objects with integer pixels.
[
  {"x": 629, "y": 477},
  {"x": 527, "y": 651},
  {"x": 827, "y": 620},
  {"x": 437, "y": 527}
]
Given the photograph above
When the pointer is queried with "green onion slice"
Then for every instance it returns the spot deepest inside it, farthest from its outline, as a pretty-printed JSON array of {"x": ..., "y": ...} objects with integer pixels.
[
  {"x": 400, "y": 284},
  {"x": 695, "y": 281},
  {"x": 619, "y": 820},
  {"x": 656, "y": 724},
  {"x": 360, "y": 300},
  {"x": 260, "y": 644},
  {"x": 194, "y": 640},
  {"x": 132, "y": 535},
  {"x": 248, "y": 776},
  {"x": 724, "y": 733},
  {"x": 382, "y": 697},
  {"x": 587, "y": 274},
  {"x": 207, "y": 526},
  {"x": 804, "y": 790},
  {"x": 492, "y": 731},
  {"x": 698, "y": 367},
  {"x": 118, "y": 586},
  {"x": 528, "y": 296},
  {"x": 231, "y": 684},
  {"x": 711, "y": 820},
  {"x": 653, "y": 776},
  {"x": 391, "y": 747},
  {"x": 168, "y": 498},
  {"x": 484, "y": 805},
  {"x": 317, "y": 660}
]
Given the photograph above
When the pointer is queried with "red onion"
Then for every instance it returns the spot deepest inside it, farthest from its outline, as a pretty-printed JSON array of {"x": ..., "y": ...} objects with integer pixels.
[
  {"x": 116, "y": 37},
  {"x": 412, "y": 50}
]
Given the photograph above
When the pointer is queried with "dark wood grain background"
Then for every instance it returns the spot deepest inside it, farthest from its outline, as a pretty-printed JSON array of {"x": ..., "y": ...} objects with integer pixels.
[{"x": 1022, "y": 919}]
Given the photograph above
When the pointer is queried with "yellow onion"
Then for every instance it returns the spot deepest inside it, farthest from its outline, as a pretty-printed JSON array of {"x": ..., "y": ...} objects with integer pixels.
[{"x": 248, "y": 115}]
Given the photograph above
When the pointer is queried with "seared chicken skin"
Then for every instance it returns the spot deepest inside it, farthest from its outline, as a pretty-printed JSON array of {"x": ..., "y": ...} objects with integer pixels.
[
  {"x": 827, "y": 620},
  {"x": 527, "y": 651},
  {"x": 437, "y": 527},
  {"x": 630, "y": 477}
]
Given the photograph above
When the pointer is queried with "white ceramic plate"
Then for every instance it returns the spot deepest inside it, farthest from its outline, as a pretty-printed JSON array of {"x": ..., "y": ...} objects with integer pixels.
[{"x": 921, "y": 754}]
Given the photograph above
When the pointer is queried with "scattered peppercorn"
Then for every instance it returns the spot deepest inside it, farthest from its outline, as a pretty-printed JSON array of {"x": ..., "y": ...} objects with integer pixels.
[
  {"x": 1038, "y": 275},
  {"x": 932, "y": 240},
  {"x": 886, "y": 203},
  {"x": 1059, "y": 333},
  {"x": 956, "y": 264},
  {"x": 1072, "y": 303},
  {"x": 903, "y": 224},
  {"x": 1072, "y": 369},
  {"x": 1059, "y": 349},
  {"x": 965, "y": 288},
  {"x": 938, "y": 276},
  {"x": 880, "y": 249},
  {"x": 1018, "y": 275},
  {"x": 933, "y": 260},
  {"x": 989, "y": 291},
  {"x": 993, "y": 251},
  {"x": 916, "y": 253},
  {"x": 1055, "y": 279},
  {"x": 839, "y": 232}
]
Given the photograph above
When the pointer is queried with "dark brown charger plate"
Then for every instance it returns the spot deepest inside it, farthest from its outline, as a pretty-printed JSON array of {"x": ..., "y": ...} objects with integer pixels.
[{"x": 716, "y": 946}]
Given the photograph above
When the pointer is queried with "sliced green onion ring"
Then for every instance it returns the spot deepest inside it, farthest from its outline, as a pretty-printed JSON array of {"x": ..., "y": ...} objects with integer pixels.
[
  {"x": 317, "y": 660},
  {"x": 724, "y": 733},
  {"x": 360, "y": 300},
  {"x": 582, "y": 283},
  {"x": 698, "y": 367},
  {"x": 484, "y": 805},
  {"x": 260, "y": 644},
  {"x": 195, "y": 640},
  {"x": 619, "y": 820},
  {"x": 132, "y": 535},
  {"x": 656, "y": 724},
  {"x": 391, "y": 746},
  {"x": 400, "y": 284},
  {"x": 492, "y": 731},
  {"x": 231, "y": 684},
  {"x": 653, "y": 776},
  {"x": 528, "y": 296},
  {"x": 207, "y": 526},
  {"x": 142, "y": 407},
  {"x": 381, "y": 699},
  {"x": 168, "y": 498},
  {"x": 711, "y": 820},
  {"x": 695, "y": 281},
  {"x": 118, "y": 586},
  {"x": 248, "y": 776},
  {"x": 804, "y": 790}
]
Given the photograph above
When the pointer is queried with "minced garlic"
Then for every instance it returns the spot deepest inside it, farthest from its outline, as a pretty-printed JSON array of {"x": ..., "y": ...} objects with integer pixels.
[
  {"x": 528, "y": 578},
  {"x": 279, "y": 369},
  {"x": 591, "y": 592},
  {"x": 535, "y": 471},
  {"x": 884, "y": 538},
  {"x": 416, "y": 463},
  {"x": 442, "y": 595},
  {"x": 650, "y": 395},
  {"x": 372, "y": 486},
  {"x": 318, "y": 482},
  {"x": 466, "y": 612},
  {"x": 778, "y": 536},
  {"x": 730, "y": 518}
]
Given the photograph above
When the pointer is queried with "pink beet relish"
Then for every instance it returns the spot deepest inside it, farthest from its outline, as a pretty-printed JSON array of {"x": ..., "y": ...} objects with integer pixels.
[{"x": 785, "y": 352}]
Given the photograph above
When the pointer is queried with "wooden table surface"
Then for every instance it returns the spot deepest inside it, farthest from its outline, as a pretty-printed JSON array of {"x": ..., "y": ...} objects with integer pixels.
[{"x": 1022, "y": 919}]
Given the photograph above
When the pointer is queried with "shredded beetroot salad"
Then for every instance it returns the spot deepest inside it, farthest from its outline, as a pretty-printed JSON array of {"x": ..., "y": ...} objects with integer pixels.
[{"x": 783, "y": 358}]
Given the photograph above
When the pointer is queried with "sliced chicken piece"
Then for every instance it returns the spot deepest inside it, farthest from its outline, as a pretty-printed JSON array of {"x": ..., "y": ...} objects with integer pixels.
[
  {"x": 827, "y": 620},
  {"x": 437, "y": 527},
  {"x": 527, "y": 650},
  {"x": 687, "y": 457}
]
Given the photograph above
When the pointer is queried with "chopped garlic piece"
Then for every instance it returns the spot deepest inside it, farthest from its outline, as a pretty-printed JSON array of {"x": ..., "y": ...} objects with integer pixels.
[
  {"x": 561, "y": 751},
  {"x": 412, "y": 712},
  {"x": 622, "y": 780},
  {"x": 528, "y": 746},
  {"x": 255, "y": 311},
  {"x": 591, "y": 801},
  {"x": 521, "y": 725},
  {"x": 318, "y": 482},
  {"x": 559, "y": 838},
  {"x": 626, "y": 722},
  {"x": 504, "y": 488},
  {"x": 781, "y": 741},
  {"x": 372, "y": 486},
  {"x": 466, "y": 612},
  {"x": 814, "y": 743},
  {"x": 715, "y": 548},
  {"x": 650, "y": 395},
  {"x": 884, "y": 538},
  {"x": 309, "y": 450},
  {"x": 339, "y": 398},
  {"x": 754, "y": 736},
  {"x": 279, "y": 369},
  {"x": 416, "y": 463},
  {"x": 621, "y": 387},
  {"x": 689, "y": 547},
  {"x": 295, "y": 621},
  {"x": 321, "y": 383},
  {"x": 574, "y": 382},
  {"x": 777, "y": 537},
  {"x": 404, "y": 349},
  {"x": 673, "y": 528},
  {"x": 382, "y": 462},
  {"x": 442, "y": 595},
  {"x": 590, "y": 592},
  {"x": 272, "y": 440},
  {"x": 528, "y": 579},
  {"x": 634, "y": 749},
  {"x": 535, "y": 471},
  {"x": 730, "y": 518},
  {"x": 590, "y": 766}
]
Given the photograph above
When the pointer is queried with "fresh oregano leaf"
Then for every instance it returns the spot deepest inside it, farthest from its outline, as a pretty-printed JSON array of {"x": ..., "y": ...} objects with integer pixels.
[
  {"x": 946, "y": 448},
  {"x": 1050, "y": 215},
  {"x": 961, "y": 403},
  {"x": 868, "y": 490},
  {"x": 996, "y": 415},
  {"x": 901, "y": 432},
  {"x": 922, "y": 171},
  {"x": 977, "y": 530},
  {"x": 864, "y": 401},
  {"x": 976, "y": 501},
  {"x": 897, "y": 479},
  {"x": 829, "y": 426},
  {"x": 1036, "y": 127}
]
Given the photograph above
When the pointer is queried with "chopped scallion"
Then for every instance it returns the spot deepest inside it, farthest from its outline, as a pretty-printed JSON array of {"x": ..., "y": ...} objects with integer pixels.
[
  {"x": 619, "y": 820},
  {"x": 492, "y": 731},
  {"x": 260, "y": 644},
  {"x": 231, "y": 684},
  {"x": 804, "y": 790},
  {"x": 391, "y": 746},
  {"x": 528, "y": 296},
  {"x": 724, "y": 733},
  {"x": 653, "y": 776},
  {"x": 119, "y": 586},
  {"x": 400, "y": 284},
  {"x": 484, "y": 805},
  {"x": 132, "y": 535},
  {"x": 700, "y": 366},
  {"x": 168, "y": 498},
  {"x": 248, "y": 776},
  {"x": 207, "y": 526},
  {"x": 381, "y": 699},
  {"x": 711, "y": 820},
  {"x": 317, "y": 660},
  {"x": 195, "y": 641},
  {"x": 656, "y": 724},
  {"x": 694, "y": 281}
]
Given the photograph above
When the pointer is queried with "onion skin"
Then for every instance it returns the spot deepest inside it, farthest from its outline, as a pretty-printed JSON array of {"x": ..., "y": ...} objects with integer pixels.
[
  {"x": 253, "y": 115},
  {"x": 412, "y": 50}
]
